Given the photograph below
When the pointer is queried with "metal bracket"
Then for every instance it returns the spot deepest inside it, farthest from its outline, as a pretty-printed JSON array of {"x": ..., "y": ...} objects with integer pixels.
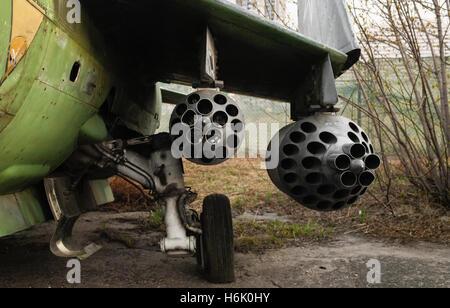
[
  {"x": 64, "y": 206},
  {"x": 208, "y": 68},
  {"x": 317, "y": 93},
  {"x": 63, "y": 245}
]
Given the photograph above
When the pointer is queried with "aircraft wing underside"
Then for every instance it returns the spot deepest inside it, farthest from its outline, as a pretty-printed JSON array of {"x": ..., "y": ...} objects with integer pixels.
[{"x": 162, "y": 41}]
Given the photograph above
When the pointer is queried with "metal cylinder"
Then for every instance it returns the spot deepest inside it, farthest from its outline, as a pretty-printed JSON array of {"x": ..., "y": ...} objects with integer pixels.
[
  {"x": 325, "y": 162},
  {"x": 209, "y": 126},
  {"x": 339, "y": 161}
]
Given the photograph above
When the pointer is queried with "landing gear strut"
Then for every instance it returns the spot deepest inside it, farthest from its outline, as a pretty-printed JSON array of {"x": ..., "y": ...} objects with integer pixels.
[{"x": 149, "y": 162}]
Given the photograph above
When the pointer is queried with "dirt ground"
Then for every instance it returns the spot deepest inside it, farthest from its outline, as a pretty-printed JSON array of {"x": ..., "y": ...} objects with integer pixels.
[
  {"x": 408, "y": 216},
  {"x": 278, "y": 242},
  {"x": 136, "y": 262}
]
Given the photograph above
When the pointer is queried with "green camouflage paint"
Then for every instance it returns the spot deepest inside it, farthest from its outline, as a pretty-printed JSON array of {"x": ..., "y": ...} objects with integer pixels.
[
  {"x": 5, "y": 35},
  {"x": 21, "y": 211},
  {"x": 44, "y": 116},
  {"x": 47, "y": 110}
]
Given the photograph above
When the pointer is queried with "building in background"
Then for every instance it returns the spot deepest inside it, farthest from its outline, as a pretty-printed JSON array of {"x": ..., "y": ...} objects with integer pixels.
[{"x": 282, "y": 12}]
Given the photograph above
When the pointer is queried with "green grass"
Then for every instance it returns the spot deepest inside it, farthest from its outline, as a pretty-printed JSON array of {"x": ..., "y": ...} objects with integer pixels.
[
  {"x": 156, "y": 219},
  {"x": 253, "y": 235},
  {"x": 239, "y": 204},
  {"x": 362, "y": 214}
]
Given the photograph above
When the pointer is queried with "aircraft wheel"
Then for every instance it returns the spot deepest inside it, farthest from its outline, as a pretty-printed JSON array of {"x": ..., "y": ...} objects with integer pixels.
[{"x": 216, "y": 245}]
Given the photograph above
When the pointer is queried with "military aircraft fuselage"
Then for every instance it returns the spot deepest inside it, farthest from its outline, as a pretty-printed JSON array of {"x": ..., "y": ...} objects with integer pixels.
[{"x": 55, "y": 76}]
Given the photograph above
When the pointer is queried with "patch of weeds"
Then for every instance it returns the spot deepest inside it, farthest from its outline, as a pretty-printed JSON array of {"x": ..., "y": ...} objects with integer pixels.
[
  {"x": 239, "y": 204},
  {"x": 252, "y": 235},
  {"x": 229, "y": 189},
  {"x": 362, "y": 214},
  {"x": 155, "y": 219},
  {"x": 256, "y": 197},
  {"x": 249, "y": 243},
  {"x": 120, "y": 237},
  {"x": 269, "y": 196}
]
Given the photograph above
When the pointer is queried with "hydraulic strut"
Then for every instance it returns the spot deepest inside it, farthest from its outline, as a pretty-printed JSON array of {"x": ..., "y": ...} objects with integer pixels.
[{"x": 147, "y": 161}]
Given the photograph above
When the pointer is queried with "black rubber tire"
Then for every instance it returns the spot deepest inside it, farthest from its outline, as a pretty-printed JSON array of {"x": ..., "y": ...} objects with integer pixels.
[{"x": 217, "y": 243}]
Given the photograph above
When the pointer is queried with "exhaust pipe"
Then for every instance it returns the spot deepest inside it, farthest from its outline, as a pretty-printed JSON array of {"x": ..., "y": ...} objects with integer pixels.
[{"x": 325, "y": 162}]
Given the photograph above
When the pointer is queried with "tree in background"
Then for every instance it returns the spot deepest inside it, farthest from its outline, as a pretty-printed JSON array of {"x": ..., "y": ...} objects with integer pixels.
[{"x": 403, "y": 77}]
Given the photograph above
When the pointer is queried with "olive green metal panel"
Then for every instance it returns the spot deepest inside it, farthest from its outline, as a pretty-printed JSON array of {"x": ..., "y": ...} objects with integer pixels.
[
  {"x": 21, "y": 211},
  {"x": 44, "y": 114},
  {"x": 48, "y": 6},
  {"x": 93, "y": 131},
  {"x": 5, "y": 33},
  {"x": 18, "y": 175},
  {"x": 49, "y": 109},
  {"x": 4, "y": 120},
  {"x": 84, "y": 33},
  {"x": 41, "y": 136},
  {"x": 16, "y": 87},
  {"x": 91, "y": 84},
  {"x": 102, "y": 192}
]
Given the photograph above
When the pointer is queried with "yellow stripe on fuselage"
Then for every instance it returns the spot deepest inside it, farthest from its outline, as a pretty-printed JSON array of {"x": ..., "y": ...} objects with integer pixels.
[{"x": 27, "y": 17}]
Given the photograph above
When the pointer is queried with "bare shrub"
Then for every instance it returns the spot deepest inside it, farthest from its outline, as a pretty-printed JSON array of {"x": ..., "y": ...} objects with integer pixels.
[{"x": 403, "y": 78}]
